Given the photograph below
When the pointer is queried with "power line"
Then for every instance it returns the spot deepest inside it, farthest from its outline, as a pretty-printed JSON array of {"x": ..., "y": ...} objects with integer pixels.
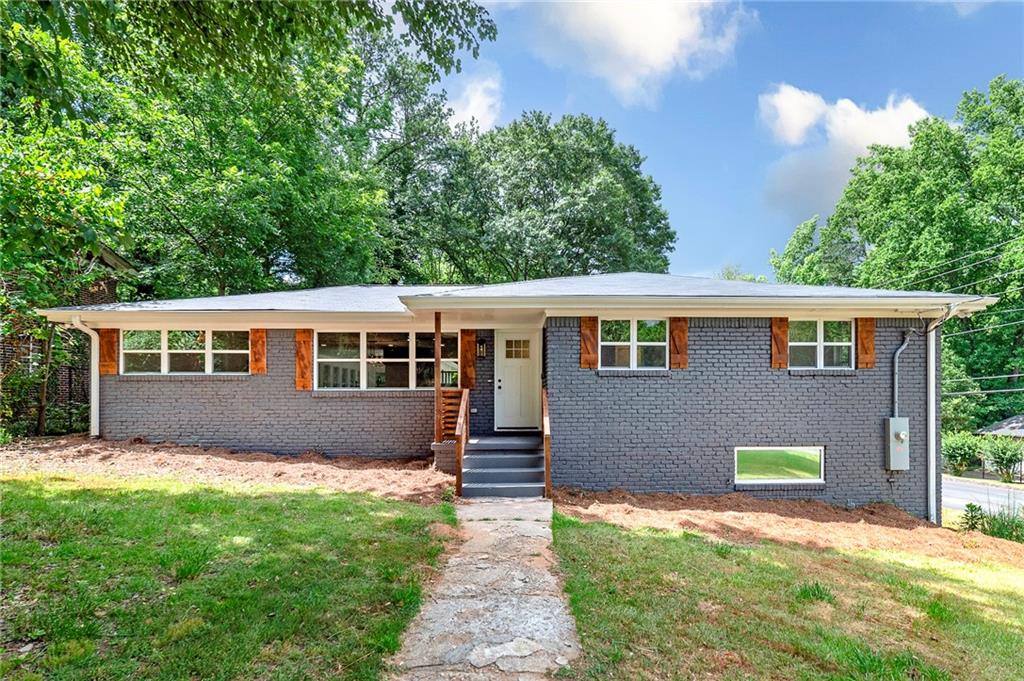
[
  {"x": 1014, "y": 309},
  {"x": 981, "y": 378},
  {"x": 956, "y": 269},
  {"x": 981, "y": 392},
  {"x": 993, "y": 295},
  {"x": 962, "y": 257},
  {"x": 982, "y": 281},
  {"x": 987, "y": 328}
]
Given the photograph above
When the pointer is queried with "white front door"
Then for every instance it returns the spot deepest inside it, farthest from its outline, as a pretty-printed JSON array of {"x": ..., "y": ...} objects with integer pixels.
[{"x": 517, "y": 379}]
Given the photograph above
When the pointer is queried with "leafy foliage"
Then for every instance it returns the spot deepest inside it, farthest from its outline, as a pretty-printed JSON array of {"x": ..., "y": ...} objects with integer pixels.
[
  {"x": 961, "y": 451},
  {"x": 973, "y": 518},
  {"x": 1004, "y": 454},
  {"x": 943, "y": 214}
]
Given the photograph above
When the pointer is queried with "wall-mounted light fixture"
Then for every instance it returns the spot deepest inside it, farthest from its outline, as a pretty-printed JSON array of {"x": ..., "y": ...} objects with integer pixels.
[{"x": 481, "y": 348}]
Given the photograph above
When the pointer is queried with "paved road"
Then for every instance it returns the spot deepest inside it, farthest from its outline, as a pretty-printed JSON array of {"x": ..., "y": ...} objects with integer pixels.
[{"x": 957, "y": 492}]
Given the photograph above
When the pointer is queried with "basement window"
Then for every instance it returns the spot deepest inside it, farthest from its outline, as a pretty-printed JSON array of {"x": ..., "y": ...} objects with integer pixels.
[
  {"x": 634, "y": 344},
  {"x": 820, "y": 344},
  {"x": 769, "y": 465}
]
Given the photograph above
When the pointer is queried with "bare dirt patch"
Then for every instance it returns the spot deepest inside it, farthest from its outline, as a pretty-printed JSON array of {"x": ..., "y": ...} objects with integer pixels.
[
  {"x": 742, "y": 518},
  {"x": 410, "y": 480}
]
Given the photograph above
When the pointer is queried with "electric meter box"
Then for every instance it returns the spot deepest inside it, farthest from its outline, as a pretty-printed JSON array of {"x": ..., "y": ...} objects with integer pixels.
[{"x": 897, "y": 443}]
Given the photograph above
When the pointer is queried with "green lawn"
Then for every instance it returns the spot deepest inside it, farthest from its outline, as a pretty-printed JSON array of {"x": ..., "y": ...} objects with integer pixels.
[
  {"x": 777, "y": 464},
  {"x": 652, "y": 604},
  {"x": 117, "y": 580}
]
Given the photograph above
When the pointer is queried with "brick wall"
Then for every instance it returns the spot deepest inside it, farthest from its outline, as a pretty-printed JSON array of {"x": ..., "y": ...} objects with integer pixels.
[
  {"x": 266, "y": 412},
  {"x": 676, "y": 430},
  {"x": 481, "y": 398}
]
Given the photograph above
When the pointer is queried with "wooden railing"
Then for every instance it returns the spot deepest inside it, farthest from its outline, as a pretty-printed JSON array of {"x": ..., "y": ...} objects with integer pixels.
[
  {"x": 461, "y": 437},
  {"x": 451, "y": 401},
  {"x": 545, "y": 420}
]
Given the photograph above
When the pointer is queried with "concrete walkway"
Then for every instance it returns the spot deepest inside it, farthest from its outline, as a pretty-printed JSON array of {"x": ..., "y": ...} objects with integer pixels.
[{"x": 498, "y": 611}]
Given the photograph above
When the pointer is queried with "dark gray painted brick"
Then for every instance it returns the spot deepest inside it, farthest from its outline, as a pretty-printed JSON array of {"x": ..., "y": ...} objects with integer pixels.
[{"x": 675, "y": 430}]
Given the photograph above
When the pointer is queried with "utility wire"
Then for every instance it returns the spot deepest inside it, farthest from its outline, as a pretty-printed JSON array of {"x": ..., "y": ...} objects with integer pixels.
[
  {"x": 981, "y": 392},
  {"x": 983, "y": 329},
  {"x": 1014, "y": 309},
  {"x": 953, "y": 260},
  {"x": 982, "y": 378},
  {"x": 993, "y": 295},
  {"x": 956, "y": 269},
  {"x": 982, "y": 281}
]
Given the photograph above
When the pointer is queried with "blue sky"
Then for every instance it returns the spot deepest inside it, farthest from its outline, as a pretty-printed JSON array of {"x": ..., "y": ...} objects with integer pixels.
[{"x": 749, "y": 114}]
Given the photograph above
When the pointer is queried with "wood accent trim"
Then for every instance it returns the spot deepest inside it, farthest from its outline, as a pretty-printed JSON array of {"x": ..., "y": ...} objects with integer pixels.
[
  {"x": 545, "y": 420},
  {"x": 865, "y": 343},
  {"x": 780, "y": 342},
  {"x": 110, "y": 347},
  {"x": 467, "y": 358},
  {"x": 303, "y": 359},
  {"x": 461, "y": 438},
  {"x": 438, "y": 401},
  {"x": 678, "y": 342},
  {"x": 588, "y": 342},
  {"x": 257, "y": 351}
]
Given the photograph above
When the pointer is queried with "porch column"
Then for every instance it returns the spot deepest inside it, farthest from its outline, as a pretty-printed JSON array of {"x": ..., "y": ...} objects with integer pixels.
[{"x": 438, "y": 425}]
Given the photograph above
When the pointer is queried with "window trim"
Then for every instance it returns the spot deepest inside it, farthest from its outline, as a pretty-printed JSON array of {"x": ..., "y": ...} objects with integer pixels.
[
  {"x": 165, "y": 353},
  {"x": 363, "y": 360},
  {"x": 820, "y": 480},
  {"x": 820, "y": 344},
  {"x": 633, "y": 343}
]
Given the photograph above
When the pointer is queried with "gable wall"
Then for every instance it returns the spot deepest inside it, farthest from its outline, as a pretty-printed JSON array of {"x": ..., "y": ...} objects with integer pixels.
[{"x": 675, "y": 430}]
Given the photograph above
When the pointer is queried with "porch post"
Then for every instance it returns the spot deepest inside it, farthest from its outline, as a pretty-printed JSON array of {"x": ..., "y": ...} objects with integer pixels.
[{"x": 438, "y": 434}]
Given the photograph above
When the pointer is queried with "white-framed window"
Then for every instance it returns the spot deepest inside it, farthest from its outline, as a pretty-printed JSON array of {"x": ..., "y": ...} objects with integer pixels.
[
  {"x": 820, "y": 344},
  {"x": 372, "y": 360},
  {"x": 771, "y": 465},
  {"x": 633, "y": 344},
  {"x": 184, "y": 351}
]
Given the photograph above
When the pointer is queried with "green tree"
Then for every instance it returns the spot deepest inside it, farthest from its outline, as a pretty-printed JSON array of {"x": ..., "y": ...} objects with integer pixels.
[
  {"x": 536, "y": 199},
  {"x": 734, "y": 273},
  {"x": 943, "y": 214}
]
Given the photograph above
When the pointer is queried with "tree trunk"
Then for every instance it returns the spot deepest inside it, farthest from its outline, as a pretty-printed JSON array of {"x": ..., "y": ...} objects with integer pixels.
[{"x": 41, "y": 407}]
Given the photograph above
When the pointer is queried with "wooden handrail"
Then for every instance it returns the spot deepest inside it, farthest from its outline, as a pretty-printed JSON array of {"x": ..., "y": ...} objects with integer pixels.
[
  {"x": 461, "y": 437},
  {"x": 545, "y": 419}
]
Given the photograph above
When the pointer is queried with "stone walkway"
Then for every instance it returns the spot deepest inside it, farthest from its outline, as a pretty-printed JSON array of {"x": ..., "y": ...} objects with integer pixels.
[{"x": 498, "y": 611}]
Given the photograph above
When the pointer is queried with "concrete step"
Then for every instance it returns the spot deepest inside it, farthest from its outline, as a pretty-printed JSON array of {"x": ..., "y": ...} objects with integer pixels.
[
  {"x": 493, "y": 475},
  {"x": 510, "y": 459},
  {"x": 504, "y": 442},
  {"x": 503, "y": 489}
]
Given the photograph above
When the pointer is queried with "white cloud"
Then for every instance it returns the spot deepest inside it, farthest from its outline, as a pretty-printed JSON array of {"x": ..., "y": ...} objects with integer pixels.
[
  {"x": 966, "y": 9},
  {"x": 478, "y": 97},
  {"x": 810, "y": 178},
  {"x": 636, "y": 46}
]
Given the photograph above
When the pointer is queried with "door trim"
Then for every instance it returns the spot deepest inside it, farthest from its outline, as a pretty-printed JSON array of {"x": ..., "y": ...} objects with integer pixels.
[{"x": 537, "y": 340}]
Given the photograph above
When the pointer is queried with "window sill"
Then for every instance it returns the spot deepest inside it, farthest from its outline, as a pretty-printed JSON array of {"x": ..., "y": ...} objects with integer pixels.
[
  {"x": 812, "y": 486},
  {"x": 634, "y": 373},
  {"x": 181, "y": 377},
  {"x": 822, "y": 372},
  {"x": 378, "y": 393}
]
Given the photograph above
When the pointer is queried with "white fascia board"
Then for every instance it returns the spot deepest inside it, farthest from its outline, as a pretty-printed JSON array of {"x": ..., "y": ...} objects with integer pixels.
[
  {"x": 233, "y": 319},
  {"x": 709, "y": 306}
]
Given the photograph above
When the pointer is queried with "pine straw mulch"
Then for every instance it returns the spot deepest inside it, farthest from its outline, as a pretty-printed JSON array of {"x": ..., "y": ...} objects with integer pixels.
[
  {"x": 739, "y": 517},
  {"x": 413, "y": 480}
]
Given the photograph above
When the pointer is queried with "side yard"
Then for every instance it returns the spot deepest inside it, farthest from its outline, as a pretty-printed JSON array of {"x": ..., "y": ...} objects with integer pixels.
[
  {"x": 667, "y": 586},
  {"x": 181, "y": 571}
]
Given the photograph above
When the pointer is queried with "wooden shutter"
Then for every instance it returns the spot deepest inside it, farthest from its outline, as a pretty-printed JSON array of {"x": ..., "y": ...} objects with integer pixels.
[
  {"x": 588, "y": 342},
  {"x": 303, "y": 359},
  {"x": 108, "y": 351},
  {"x": 866, "y": 343},
  {"x": 467, "y": 358},
  {"x": 780, "y": 342},
  {"x": 678, "y": 340},
  {"x": 257, "y": 351}
]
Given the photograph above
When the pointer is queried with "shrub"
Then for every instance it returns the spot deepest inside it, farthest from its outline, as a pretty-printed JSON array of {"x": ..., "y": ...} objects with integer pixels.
[
  {"x": 1004, "y": 454},
  {"x": 960, "y": 451},
  {"x": 972, "y": 519},
  {"x": 1006, "y": 523}
]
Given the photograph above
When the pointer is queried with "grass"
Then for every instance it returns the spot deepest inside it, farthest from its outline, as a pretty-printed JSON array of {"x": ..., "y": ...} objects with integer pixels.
[
  {"x": 652, "y": 604},
  {"x": 777, "y": 464},
  {"x": 157, "y": 579}
]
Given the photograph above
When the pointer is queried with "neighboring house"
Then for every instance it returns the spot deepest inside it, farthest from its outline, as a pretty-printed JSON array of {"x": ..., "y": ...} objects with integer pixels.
[
  {"x": 1011, "y": 427},
  {"x": 653, "y": 382}
]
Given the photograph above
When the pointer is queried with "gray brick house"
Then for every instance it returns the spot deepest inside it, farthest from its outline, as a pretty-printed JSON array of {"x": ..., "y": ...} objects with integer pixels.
[{"x": 646, "y": 382}]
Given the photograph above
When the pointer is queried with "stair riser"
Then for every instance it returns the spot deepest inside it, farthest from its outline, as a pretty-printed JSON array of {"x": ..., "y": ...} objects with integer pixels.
[
  {"x": 503, "y": 445},
  {"x": 490, "y": 476},
  {"x": 503, "y": 461},
  {"x": 524, "y": 491}
]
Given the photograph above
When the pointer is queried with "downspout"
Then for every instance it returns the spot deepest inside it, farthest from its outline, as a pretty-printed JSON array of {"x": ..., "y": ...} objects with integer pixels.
[
  {"x": 94, "y": 375},
  {"x": 933, "y": 511}
]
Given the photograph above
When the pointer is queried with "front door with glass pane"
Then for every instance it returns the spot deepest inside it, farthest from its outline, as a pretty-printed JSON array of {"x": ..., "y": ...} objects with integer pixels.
[{"x": 517, "y": 379}]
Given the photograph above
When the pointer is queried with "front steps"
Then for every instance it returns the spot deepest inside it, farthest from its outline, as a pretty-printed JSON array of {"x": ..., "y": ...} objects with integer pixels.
[{"x": 503, "y": 466}]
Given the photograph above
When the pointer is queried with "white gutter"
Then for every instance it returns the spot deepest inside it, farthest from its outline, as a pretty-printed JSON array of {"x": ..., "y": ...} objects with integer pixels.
[
  {"x": 94, "y": 374},
  {"x": 933, "y": 512}
]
